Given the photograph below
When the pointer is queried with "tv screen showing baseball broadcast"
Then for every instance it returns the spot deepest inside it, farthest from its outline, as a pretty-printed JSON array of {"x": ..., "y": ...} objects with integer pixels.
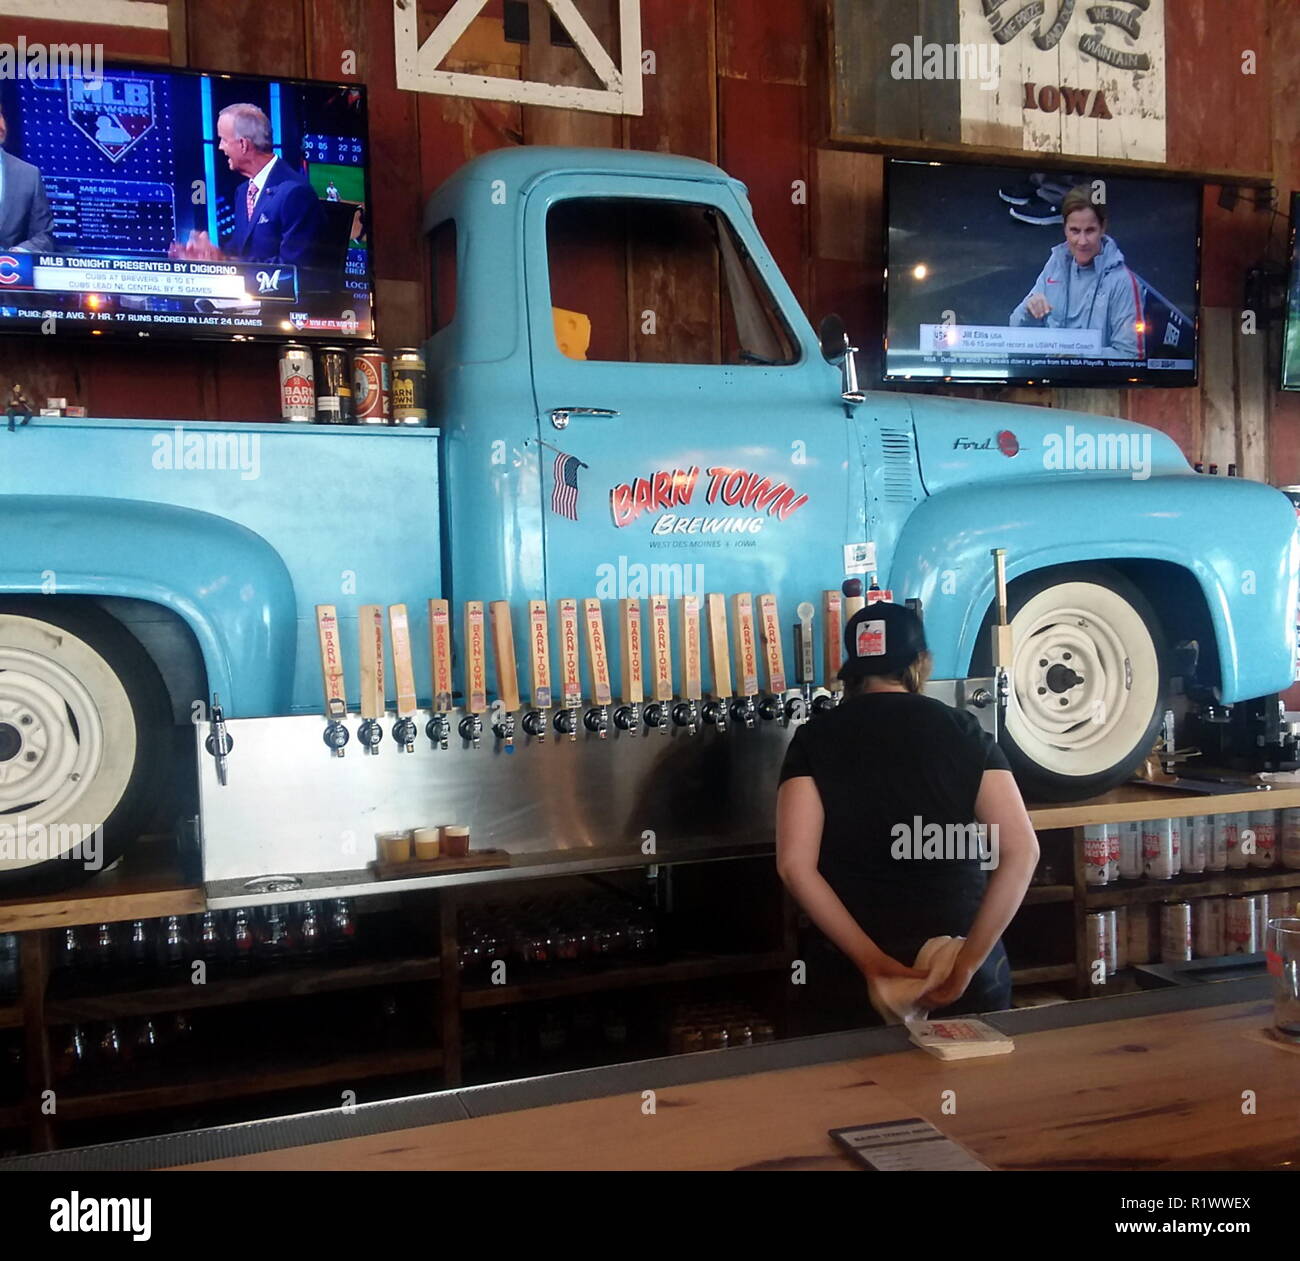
[
  {"x": 168, "y": 202},
  {"x": 1019, "y": 276}
]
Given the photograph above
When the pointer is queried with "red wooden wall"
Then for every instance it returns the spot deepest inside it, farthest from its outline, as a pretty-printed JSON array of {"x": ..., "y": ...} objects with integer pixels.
[{"x": 739, "y": 82}]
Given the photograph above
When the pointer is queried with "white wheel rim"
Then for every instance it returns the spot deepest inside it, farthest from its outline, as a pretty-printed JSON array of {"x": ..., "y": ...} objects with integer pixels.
[
  {"x": 60, "y": 777},
  {"x": 1084, "y": 679}
]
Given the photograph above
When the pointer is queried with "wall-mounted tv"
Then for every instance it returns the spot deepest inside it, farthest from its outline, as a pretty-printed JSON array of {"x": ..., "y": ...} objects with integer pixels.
[
  {"x": 1061, "y": 277},
  {"x": 171, "y": 203},
  {"x": 1291, "y": 341}
]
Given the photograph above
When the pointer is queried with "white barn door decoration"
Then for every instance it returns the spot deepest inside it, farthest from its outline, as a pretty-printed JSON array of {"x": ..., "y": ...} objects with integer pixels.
[{"x": 418, "y": 65}]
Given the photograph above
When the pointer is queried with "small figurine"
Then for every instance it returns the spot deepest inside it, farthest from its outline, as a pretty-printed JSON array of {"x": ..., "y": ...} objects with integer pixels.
[{"x": 18, "y": 406}]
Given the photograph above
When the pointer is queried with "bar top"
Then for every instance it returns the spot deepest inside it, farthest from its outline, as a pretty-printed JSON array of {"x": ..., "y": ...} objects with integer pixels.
[{"x": 1152, "y": 1080}]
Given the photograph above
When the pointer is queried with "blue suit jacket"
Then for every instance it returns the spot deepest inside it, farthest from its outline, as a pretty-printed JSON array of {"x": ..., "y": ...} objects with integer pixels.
[
  {"x": 25, "y": 219},
  {"x": 286, "y": 221}
]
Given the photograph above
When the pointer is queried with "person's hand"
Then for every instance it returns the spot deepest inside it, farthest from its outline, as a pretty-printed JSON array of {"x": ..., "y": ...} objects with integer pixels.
[
  {"x": 950, "y": 989},
  {"x": 886, "y": 965},
  {"x": 1038, "y": 306},
  {"x": 198, "y": 245}
]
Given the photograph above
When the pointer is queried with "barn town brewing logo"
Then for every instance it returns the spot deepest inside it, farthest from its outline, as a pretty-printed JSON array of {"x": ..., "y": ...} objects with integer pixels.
[{"x": 668, "y": 491}]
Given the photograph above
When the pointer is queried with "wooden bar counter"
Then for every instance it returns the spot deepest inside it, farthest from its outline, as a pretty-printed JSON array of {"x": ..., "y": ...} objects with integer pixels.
[{"x": 1175, "y": 1079}]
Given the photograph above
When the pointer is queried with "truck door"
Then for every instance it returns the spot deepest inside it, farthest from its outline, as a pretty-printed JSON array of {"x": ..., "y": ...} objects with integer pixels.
[{"x": 691, "y": 436}]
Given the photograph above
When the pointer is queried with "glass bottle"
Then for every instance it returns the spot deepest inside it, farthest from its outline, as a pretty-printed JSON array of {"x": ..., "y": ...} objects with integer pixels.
[
  {"x": 105, "y": 943},
  {"x": 146, "y": 1040},
  {"x": 110, "y": 1045},
  {"x": 137, "y": 944},
  {"x": 209, "y": 937},
  {"x": 74, "y": 1055},
  {"x": 311, "y": 938},
  {"x": 69, "y": 956},
  {"x": 241, "y": 939},
  {"x": 273, "y": 940},
  {"x": 173, "y": 948},
  {"x": 343, "y": 928}
]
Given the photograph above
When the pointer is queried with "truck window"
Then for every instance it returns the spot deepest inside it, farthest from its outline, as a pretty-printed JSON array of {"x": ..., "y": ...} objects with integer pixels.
[
  {"x": 659, "y": 282},
  {"x": 442, "y": 243}
]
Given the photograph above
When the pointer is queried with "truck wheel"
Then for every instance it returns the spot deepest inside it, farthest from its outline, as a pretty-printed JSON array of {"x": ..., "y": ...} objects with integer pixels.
[
  {"x": 83, "y": 742},
  {"x": 1088, "y": 683}
]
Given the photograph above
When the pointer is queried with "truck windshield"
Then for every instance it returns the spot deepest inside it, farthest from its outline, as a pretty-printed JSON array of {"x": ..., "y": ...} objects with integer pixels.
[{"x": 640, "y": 281}]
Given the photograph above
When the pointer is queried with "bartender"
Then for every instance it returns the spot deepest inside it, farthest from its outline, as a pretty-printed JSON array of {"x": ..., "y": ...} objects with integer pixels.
[{"x": 859, "y": 782}]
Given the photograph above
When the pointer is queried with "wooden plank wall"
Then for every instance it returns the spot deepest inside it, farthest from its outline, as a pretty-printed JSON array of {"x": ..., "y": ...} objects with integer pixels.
[{"x": 742, "y": 83}]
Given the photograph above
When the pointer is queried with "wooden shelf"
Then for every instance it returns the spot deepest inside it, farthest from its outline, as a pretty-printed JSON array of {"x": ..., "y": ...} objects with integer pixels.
[
  {"x": 146, "y": 884},
  {"x": 1143, "y": 801},
  {"x": 256, "y": 1080},
  {"x": 1037, "y": 894},
  {"x": 1176, "y": 890},
  {"x": 288, "y": 982},
  {"x": 621, "y": 978},
  {"x": 1040, "y": 976}
]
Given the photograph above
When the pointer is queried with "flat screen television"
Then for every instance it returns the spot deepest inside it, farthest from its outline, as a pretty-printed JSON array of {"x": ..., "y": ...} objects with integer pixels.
[
  {"x": 1291, "y": 338},
  {"x": 1020, "y": 277},
  {"x": 171, "y": 214}
]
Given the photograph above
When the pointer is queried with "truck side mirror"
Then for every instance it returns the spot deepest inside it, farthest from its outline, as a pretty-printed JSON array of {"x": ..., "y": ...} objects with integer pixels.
[{"x": 837, "y": 348}]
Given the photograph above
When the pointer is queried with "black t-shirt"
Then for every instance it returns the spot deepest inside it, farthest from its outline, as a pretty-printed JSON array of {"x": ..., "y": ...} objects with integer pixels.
[{"x": 884, "y": 759}]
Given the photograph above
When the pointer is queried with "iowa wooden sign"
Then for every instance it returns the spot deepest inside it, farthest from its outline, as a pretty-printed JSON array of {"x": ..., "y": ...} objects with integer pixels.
[{"x": 1036, "y": 76}]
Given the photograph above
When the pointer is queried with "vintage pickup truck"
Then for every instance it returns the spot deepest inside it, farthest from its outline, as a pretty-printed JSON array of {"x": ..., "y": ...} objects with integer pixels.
[{"x": 147, "y": 565}]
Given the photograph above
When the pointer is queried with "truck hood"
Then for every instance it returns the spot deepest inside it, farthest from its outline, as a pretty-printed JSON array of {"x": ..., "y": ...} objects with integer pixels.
[{"x": 961, "y": 441}]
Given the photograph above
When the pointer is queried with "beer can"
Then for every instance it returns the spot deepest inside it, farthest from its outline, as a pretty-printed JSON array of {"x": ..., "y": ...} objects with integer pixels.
[
  {"x": 1207, "y": 927},
  {"x": 1290, "y": 844},
  {"x": 1223, "y": 840},
  {"x": 1237, "y": 857},
  {"x": 1140, "y": 948},
  {"x": 409, "y": 406},
  {"x": 297, "y": 383},
  {"x": 1130, "y": 851},
  {"x": 1239, "y": 937},
  {"x": 1175, "y": 932},
  {"x": 333, "y": 386},
  {"x": 1177, "y": 834},
  {"x": 1095, "y": 941},
  {"x": 1284, "y": 904},
  {"x": 1259, "y": 905},
  {"x": 1120, "y": 934},
  {"x": 370, "y": 386},
  {"x": 1158, "y": 849},
  {"x": 1096, "y": 854},
  {"x": 1264, "y": 824},
  {"x": 1111, "y": 942},
  {"x": 1197, "y": 834}
]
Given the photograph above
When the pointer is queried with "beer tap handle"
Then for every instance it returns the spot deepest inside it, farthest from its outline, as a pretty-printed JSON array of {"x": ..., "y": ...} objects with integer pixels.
[
  {"x": 503, "y": 644},
  {"x": 399, "y": 626},
  {"x": 742, "y": 610},
  {"x": 692, "y": 683},
  {"x": 440, "y": 649},
  {"x": 539, "y": 655},
  {"x": 661, "y": 663},
  {"x": 628, "y": 715},
  {"x": 566, "y": 721},
  {"x": 331, "y": 659},
  {"x": 370, "y": 627},
  {"x": 773, "y": 705},
  {"x": 219, "y": 742},
  {"x": 832, "y": 651},
  {"x": 471, "y": 725},
  {"x": 854, "y": 600},
  {"x": 720, "y": 660},
  {"x": 597, "y": 720}
]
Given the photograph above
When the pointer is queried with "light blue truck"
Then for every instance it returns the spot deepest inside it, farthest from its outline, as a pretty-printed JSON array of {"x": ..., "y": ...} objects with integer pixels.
[{"x": 145, "y": 566}]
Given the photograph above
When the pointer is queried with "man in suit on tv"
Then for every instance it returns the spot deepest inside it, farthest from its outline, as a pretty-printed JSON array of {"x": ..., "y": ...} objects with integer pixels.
[
  {"x": 277, "y": 212},
  {"x": 26, "y": 223}
]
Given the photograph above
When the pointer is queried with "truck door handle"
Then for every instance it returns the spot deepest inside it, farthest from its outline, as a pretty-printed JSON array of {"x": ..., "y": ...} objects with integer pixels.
[{"x": 560, "y": 415}]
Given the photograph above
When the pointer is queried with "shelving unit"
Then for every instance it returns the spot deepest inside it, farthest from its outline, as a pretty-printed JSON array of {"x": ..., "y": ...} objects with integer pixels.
[{"x": 150, "y": 884}]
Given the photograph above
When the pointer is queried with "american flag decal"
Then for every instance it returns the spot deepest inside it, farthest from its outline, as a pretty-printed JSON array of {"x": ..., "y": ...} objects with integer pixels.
[{"x": 564, "y": 498}]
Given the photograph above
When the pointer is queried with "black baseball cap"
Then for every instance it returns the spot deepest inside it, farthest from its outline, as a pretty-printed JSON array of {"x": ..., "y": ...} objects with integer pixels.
[{"x": 882, "y": 638}]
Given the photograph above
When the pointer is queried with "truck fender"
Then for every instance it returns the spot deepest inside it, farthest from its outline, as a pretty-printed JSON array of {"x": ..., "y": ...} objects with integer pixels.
[
  {"x": 224, "y": 581},
  {"x": 1237, "y": 539}
]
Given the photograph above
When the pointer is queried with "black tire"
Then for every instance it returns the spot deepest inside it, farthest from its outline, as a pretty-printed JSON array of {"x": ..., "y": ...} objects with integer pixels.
[
  {"x": 1145, "y": 698},
  {"x": 150, "y": 717}
]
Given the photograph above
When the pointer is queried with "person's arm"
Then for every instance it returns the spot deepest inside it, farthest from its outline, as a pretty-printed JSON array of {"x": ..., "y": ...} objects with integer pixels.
[
  {"x": 999, "y": 804},
  {"x": 40, "y": 223},
  {"x": 1122, "y": 315},
  {"x": 799, "y": 820},
  {"x": 301, "y": 216},
  {"x": 1022, "y": 316}
]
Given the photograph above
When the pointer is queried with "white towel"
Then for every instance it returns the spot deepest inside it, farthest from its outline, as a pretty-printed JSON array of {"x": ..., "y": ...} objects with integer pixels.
[{"x": 894, "y": 997}]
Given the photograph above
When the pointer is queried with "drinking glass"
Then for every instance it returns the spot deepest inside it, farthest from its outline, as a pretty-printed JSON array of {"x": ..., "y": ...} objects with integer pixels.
[{"x": 1283, "y": 954}]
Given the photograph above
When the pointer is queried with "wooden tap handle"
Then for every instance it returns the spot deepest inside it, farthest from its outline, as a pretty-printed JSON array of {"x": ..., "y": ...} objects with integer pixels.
[
  {"x": 331, "y": 661},
  {"x": 570, "y": 682},
  {"x": 692, "y": 685},
  {"x": 475, "y": 658},
  {"x": 833, "y": 639},
  {"x": 630, "y": 649},
  {"x": 503, "y": 647},
  {"x": 597, "y": 653},
  {"x": 742, "y": 607},
  {"x": 661, "y": 648},
  {"x": 773, "y": 650},
  {"x": 440, "y": 648},
  {"x": 370, "y": 628},
  {"x": 539, "y": 653},
  {"x": 719, "y": 647},
  {"x": 399, "y": 628}
]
